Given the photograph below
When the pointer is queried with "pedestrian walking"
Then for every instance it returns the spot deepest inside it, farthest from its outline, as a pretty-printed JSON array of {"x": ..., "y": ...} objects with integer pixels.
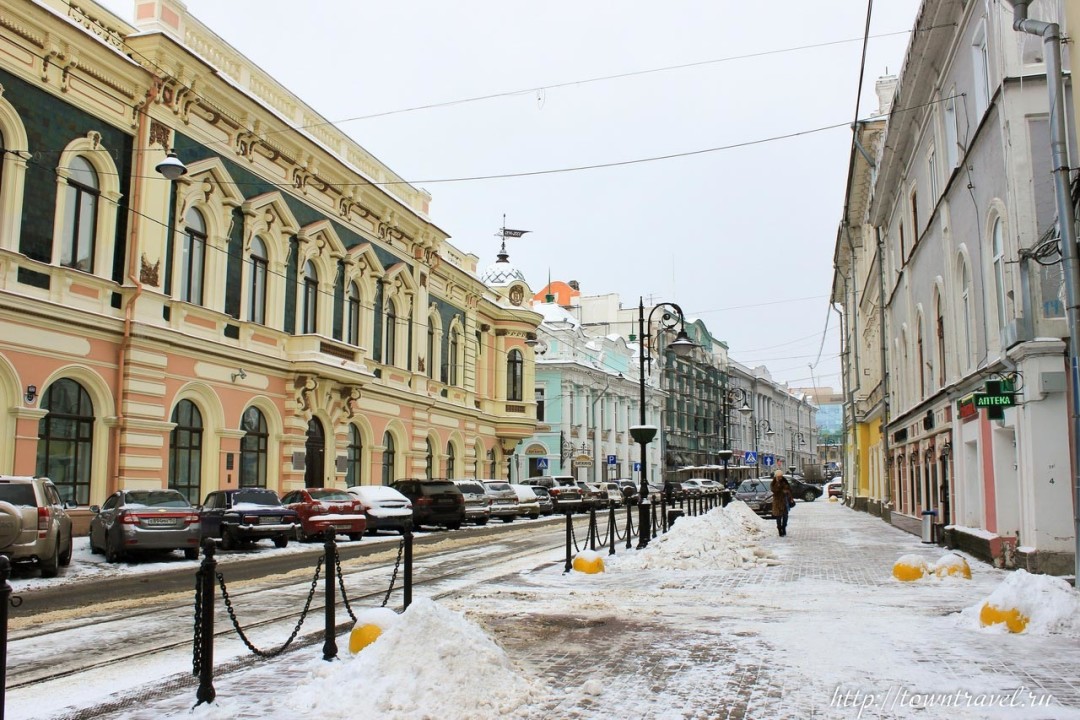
[{"x": 782, "y": 501}]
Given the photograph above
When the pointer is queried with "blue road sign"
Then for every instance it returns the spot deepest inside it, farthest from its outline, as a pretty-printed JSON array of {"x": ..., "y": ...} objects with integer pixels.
[
  {"x": 750, "y": 458},
  {"x": 610, "y": 459},
  {"x": 637, "y": 467},
  {"x": 541, "y": 463},
  {"x": 768, "y": 460}
]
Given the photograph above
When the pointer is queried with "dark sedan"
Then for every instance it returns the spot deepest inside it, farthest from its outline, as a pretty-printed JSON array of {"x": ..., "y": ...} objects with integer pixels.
[
  {"x": 757, "y": 495},
  {"x": 247, "y": 515},
  {"x": 804, "y": 491}
]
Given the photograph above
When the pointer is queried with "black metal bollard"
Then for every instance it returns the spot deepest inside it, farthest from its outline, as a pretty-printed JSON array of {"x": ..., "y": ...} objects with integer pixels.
[
  {"x": 569, "y": 541},
  {"x": 406, "y": 589},
  {"x": 205, "y": 577},
  {"x": 629, "y": 524},
  {"x": 329, "y": 648},
  {"x": 610, "y": 533},
  {"x": 592, "y": 528},
  {"x": 664, "y": 500},
  {"x": 5, "y": 598}
]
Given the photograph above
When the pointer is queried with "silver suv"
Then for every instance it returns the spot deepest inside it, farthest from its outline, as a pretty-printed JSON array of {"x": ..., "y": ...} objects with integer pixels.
[{"x": 34, "y": 524}]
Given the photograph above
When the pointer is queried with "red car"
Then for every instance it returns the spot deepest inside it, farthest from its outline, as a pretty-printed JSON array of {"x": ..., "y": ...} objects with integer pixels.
[{"x": 323, "y": 508}]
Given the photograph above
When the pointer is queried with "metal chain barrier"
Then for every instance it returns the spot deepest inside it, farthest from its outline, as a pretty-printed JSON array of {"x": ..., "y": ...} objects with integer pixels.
[
  {"x": 303, "y": 615},
  {"x": 573, "y": 536},
  {"x": 619, "y": 536},
  {"x": 341, "y": 585},
  {"x": 393, "y": 577}
]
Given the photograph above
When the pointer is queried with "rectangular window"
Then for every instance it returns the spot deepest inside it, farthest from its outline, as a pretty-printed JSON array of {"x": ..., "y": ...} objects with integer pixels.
[
  {"x": 952, "y": 141},
  {"x": 540, "y": 404},
  {"x": 257, "y": 301},
  {"x": 932, "y": 175},
  {"x": 980, "y": 59},
  {"x": 191, "y": 268},
  {"x": 914, "y": 218}
]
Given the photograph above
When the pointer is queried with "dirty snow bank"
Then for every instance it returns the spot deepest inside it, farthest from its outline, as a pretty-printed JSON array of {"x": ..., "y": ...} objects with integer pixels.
[{"x": 1051, "y": 604}]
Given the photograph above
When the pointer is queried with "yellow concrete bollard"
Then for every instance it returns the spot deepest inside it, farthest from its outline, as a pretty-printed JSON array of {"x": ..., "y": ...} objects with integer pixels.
[
  {"x": 908, "y": 568},
  {"x": 1010, "y": 617},
  {"x": 362, "y": 636},
  {"x": 589, "y": 563},
  {"x": 952, "y": 566}
]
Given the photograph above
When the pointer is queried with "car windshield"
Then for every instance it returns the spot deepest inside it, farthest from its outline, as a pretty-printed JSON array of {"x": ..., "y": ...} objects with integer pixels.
[
  {"x": 499, "y": 486},
  {"x": 539, "y": 490},
  {"x": 751, "y": 486},
  {"x": 437, "y": 488},
  {"x": 256, "y": 497},
  {"x": 473, "y": 488},
  {"x": 156, "y": 498},
  {"x": 18, "y": 494},
  {"x": 329, "y": 495}
]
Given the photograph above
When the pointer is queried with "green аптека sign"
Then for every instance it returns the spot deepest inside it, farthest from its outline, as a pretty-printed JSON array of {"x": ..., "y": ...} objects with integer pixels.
[{"x": 983, "y": 400}]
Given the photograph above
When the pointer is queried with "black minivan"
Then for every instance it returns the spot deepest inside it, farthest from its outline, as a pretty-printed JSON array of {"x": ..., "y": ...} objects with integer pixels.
[{"x": 434, "y": 502}]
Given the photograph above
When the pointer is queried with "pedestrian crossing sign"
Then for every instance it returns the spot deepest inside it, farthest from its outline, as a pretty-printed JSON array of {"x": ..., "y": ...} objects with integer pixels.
[
  {"x": 750, "y": 458},
  {"x": 541, "y": 463}
]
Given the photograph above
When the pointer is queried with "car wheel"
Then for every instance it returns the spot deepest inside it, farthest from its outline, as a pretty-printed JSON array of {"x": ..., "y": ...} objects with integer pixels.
[
  {"x": 356, "y": 537},
  {"x": 191, "y": 553},
  {"x": 508, "y": 518},
  {"x": 453, "y": 526},
  {"x": 112, "y": 551},
  {"x": 809, "y": 496},
  {"x": 281, "y": 541},
  {"x": 65, "y": 557},
  {"x": 51, "y": 567},
  {"x": 228, "y": 539},
  {"x": 482, "y": 521},
  {"x": 533, "y": 517}
]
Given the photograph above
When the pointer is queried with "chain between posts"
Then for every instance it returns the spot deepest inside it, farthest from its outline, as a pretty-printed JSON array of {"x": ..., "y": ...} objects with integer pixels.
[
  {"x": 303, "y": 615},
  {"x": 393, "y": 577},
  {"x": 341, "y": 585}
]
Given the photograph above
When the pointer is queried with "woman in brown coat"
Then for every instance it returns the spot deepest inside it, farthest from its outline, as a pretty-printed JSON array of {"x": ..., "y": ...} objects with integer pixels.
[{"x": 782, "y": 499}]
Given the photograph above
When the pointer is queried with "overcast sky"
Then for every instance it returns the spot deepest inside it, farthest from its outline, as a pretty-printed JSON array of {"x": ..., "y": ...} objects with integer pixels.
[{"x": 741, "y": 237}]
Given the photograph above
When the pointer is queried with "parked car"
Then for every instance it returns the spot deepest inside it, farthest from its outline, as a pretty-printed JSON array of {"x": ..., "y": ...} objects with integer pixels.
[
  {"x": 756, "y": 494},
  {"x": 34, "y": 524},
  {"x": 547, "y": 505},
  {"x": 592, "y": 495},
  {"x": 693, "y": 487},
  {"x": 804, "y": 490},
  {"x": 142, "y": 520},
  {"x": 504, "y": 501},
  {"x": 434, "y": 502},
  {"x": 629, "y": 491},
  {"x": 477, "y": 502},
  {"x": 384, "y": 507},
  {"x": 711, "y": 486},
  {"x": 614, "y": 494},
  {"x": 673, "y": 490},
  {"x": 247, "y": 515},
  {"x": 565, "y": 494},
  {"x": 528, "y": 502},
  {"x": 321, "y": 509},
  {"x": 835, "y": 488}
]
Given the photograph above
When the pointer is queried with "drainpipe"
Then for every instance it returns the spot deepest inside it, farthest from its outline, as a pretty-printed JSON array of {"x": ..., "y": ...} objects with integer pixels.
[
  {"x": 141, "y": 142},
  {"x": 1055, "y": 84},
  {"x": 884, "y": 367}
]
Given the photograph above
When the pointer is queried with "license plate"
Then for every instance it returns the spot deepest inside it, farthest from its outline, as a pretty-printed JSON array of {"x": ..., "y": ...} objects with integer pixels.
[
  {"x": 343, "y": 526},
  {"x": 266, "y": 520},
  {"x": 159, "y": 522}
]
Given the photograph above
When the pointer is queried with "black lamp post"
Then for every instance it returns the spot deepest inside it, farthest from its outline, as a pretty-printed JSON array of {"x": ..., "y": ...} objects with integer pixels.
[
  {"x": 729, "y": 398},
  {"x": 643, "y": 434},
  {"x": 766, "y": 427},
  {"x": 802, "y": 441}
]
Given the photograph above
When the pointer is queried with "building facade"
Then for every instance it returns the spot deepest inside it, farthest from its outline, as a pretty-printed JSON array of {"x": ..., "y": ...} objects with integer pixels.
[{"x": 284, "y": 314}]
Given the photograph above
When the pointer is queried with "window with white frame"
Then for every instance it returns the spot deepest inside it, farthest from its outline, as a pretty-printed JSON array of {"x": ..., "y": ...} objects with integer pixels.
[
  {"x": 310, "y": 302},
  {"x": 980, "y": 60},
  {"x": 431, "y": 348},
  {"x": 390, "y": 333},
  {"x": 998, "y": 245},
  {"x": 193, "y": 257},
  {"x": 352, "y": 316},
  {"x": 80, "y": 216},
  {"x": 967, "y": 311},
  {"x": 455, "y": 362},
  {"x": 257, "y": 281},
  {"x": 932, "y": 175},
  {"x": 952, "y": 135}
]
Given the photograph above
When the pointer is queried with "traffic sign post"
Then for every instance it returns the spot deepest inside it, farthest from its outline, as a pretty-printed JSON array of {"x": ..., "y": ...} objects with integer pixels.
[
  {"x": 750, "y": 458},
  {"x": 637, "y": 467},
  {"x": 611, "y": 460},
  {"x": 542, "y": 463},
  {"x": 768, "y": 460}
]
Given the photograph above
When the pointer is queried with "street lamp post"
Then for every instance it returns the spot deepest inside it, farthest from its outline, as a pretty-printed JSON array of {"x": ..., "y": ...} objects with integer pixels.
[
  {"x": 802, "y": 441},
  {"x": 643, "y": 434},
  {"x": 729, "y": 398},
  {"x": 765, "y": 427}
]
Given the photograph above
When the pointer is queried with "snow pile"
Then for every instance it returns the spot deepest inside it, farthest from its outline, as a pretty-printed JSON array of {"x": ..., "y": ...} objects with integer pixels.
[
  {"x": 914, "y": 567},
  {"x": 1051, "y": 604},
  {"x": 721, "y": 539}
]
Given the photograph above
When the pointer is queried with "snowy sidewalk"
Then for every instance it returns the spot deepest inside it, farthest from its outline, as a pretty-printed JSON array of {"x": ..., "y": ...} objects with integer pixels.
[{"x": 808, "y": 626}]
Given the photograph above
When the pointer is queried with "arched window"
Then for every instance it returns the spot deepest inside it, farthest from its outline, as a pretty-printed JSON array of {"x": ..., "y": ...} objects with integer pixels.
[
  {"x": 999, "y": 270},
  {"x": 492, "y": 469},
  {"x": 352, "y": 317},
  {"x": 450, "y": 461},
  {"x": 193, "y": 259},
  {"x": 388, "y": 459},
  {"x": 429, "y": 467},
  {"x": 455, "y": 347},
  {"x": 185, "y": 451},
  {"x": 354, "y": 470},
  {"x": 940, "y": 319},
  {"x": 65, "y": 440},
  {"x": 431, "y": 349},
  {"x": 515, "y": 369},
  {"x": 254, "y": 448},
  {"x": 311, "y": 298},
  {"x": 257, "y": 283},
  {"x": 390, "y": 356},
  {"x": 967, "y": 313},
  {"x": 80, "y": 216},
  {"x": 920, "y": 358}
]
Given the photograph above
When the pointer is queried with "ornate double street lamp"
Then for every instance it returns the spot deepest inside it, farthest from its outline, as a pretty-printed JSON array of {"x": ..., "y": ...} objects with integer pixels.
[
  {"x": 802, "y": 441},
  {"x": 643, "y": 434},
  {"x": 730, "y": 397},
  {"x": 765, "y": 427}
]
